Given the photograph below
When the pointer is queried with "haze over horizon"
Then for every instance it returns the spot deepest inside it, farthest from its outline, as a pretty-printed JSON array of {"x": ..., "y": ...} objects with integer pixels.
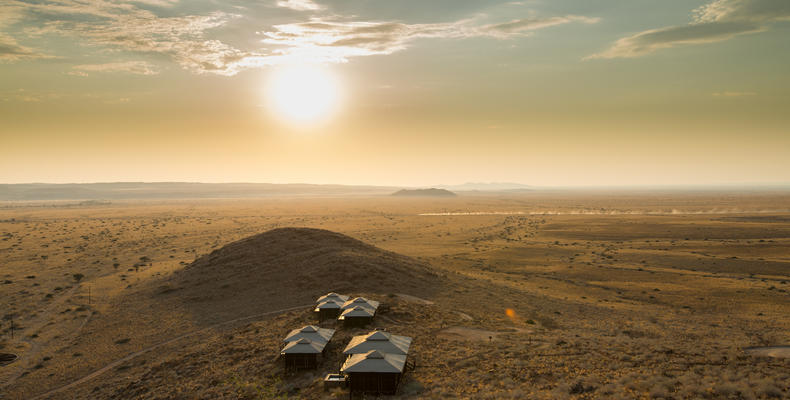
[{"x": 549, "y": 93}]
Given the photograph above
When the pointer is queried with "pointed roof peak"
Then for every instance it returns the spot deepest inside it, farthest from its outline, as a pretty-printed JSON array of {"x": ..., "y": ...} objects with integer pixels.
[
  {"x": 374, "y": 354},
  {"x": 379, "y": 335},
  {"x": 309, "y": 328}
]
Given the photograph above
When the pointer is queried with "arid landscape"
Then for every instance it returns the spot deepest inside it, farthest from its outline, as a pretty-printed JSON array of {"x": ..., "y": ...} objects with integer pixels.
[{"x": 543, "y": 294}]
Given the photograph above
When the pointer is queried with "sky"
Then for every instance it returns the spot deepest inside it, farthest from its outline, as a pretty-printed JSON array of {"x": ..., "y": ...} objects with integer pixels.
[{"x": 408, "y": 92}]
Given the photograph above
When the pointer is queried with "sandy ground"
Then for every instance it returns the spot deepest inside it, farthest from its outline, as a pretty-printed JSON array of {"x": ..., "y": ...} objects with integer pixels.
[{"x": 627, "y": 295}]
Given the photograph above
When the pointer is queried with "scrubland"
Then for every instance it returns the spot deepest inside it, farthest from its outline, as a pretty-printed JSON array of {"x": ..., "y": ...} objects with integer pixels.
[{"x": 530, "y": 295}]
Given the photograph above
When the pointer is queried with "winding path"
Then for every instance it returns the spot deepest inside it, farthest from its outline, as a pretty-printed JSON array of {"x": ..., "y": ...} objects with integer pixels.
[{"x": 120, "y": 361}]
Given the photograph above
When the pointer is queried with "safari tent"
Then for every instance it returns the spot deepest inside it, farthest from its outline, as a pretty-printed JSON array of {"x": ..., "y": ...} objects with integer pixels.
[
  {"x": 329, "y": 309},
  {"x": 374, "y": 372},
  {"x": 302, "y": 354},
  {"x": 311, "y": 332},
  {"x": 384, "y": 342},
  {"x": 357, "y": 316},
  {"x": 372, "y": 305}
]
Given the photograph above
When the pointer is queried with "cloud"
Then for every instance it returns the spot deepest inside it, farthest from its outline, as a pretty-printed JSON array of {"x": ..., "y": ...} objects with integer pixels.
[
  {"x": 733, "y": 94},
  {"x": 530, "y": 24},
  {"x": 714, "y": 22},
  {"x": 330, "y": 40},
  {"x": 27, "y": 96},
  {"x": 11, "y": 51},
  {"x": 124, "y": 26},
  {"x": 300, "y": 5},
  {"x": 133, "y": 26},
  {"x": 132, "y": 67}
]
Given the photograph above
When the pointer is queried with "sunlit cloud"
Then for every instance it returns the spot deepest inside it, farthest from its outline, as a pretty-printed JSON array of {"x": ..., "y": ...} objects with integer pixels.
[
  {"x": 300, "y": 5},
  {"x": 124, "y": 26},
  {"x": 714, "y": 22},
  {"x": 328, "y": 40},
  {"x": 133, "y": 27},
  {"x": 131, "y": 67},
  {"x": 519, "y": 26}
]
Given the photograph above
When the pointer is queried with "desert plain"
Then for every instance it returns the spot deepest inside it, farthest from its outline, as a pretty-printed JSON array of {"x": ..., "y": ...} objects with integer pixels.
[{"x": 544, "y": 294}]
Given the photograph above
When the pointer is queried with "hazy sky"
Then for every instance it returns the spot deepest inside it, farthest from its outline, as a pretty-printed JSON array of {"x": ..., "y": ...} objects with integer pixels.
[{"x": 543, "y": 92}]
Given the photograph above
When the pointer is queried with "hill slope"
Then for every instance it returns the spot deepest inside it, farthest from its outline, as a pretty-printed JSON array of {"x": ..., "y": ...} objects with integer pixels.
[{"x": 294, "y": 266}]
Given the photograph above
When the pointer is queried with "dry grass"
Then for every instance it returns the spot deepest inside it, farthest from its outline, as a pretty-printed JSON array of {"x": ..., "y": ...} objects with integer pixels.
[{"x": 605, "y": 306}]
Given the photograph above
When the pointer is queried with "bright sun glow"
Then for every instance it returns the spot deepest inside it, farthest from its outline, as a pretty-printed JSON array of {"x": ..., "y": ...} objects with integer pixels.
[{"x": 303, "y": 93}]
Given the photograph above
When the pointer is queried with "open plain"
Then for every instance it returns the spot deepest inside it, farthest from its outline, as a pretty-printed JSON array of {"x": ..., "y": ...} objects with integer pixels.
[{"x": 544, "y": 294}]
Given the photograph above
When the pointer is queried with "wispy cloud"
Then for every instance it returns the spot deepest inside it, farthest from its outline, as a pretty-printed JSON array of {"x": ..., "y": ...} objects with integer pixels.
[
  {"x": 519, "y": 26},
  {"x": 28, "y": 96},
  {"x": 733, "y": 94},
  {"x": 132, "y": 67},
  {"x": 714, "y": 22},
  {"x": 332, "y": 40},
  {"x": 125, "y": 26},
  {"x": 136, "y": 28},
  {"x": 11, "y": 50},
  {"x": 300, "y": 5}
]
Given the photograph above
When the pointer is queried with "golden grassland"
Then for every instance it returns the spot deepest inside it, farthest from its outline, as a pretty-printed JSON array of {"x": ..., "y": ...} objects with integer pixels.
[{"x": 611, "y": 295}]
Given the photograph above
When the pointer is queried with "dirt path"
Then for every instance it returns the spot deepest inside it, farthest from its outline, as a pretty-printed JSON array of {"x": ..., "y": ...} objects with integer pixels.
[{"x": 120, "y": 361}]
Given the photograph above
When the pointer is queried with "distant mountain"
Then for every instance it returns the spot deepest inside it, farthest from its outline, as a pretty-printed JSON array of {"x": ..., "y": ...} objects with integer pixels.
[
  {"x": 432, "y": 192},
  {"x": 487, "y": 187},
  {"x": 175, "y": 190}
]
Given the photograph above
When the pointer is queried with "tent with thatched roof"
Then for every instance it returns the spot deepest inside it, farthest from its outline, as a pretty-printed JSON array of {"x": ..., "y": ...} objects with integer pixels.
[
  {"x": 374, "y": 372},
  {"x": 384, "y": 342}
]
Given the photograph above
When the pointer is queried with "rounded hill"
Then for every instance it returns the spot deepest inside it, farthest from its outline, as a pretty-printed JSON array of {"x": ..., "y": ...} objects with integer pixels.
[{"x": 286, "y": 265}]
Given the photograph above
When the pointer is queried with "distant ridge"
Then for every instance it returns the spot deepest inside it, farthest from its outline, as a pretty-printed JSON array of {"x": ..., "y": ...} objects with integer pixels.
[
  {"x": 488, "y": 187},
  {"x": 432, "y": 192},
  {"x": 175, "y": 190}
]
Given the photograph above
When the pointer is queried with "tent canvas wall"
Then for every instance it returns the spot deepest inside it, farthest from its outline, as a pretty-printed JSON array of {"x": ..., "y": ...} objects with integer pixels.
[
  {"x": 374, "y": 372},
  {"x": 302, "y": 354}
]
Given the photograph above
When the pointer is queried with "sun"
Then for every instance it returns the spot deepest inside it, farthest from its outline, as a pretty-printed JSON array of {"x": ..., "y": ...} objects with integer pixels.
[{"x": 303, "y": 93}]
